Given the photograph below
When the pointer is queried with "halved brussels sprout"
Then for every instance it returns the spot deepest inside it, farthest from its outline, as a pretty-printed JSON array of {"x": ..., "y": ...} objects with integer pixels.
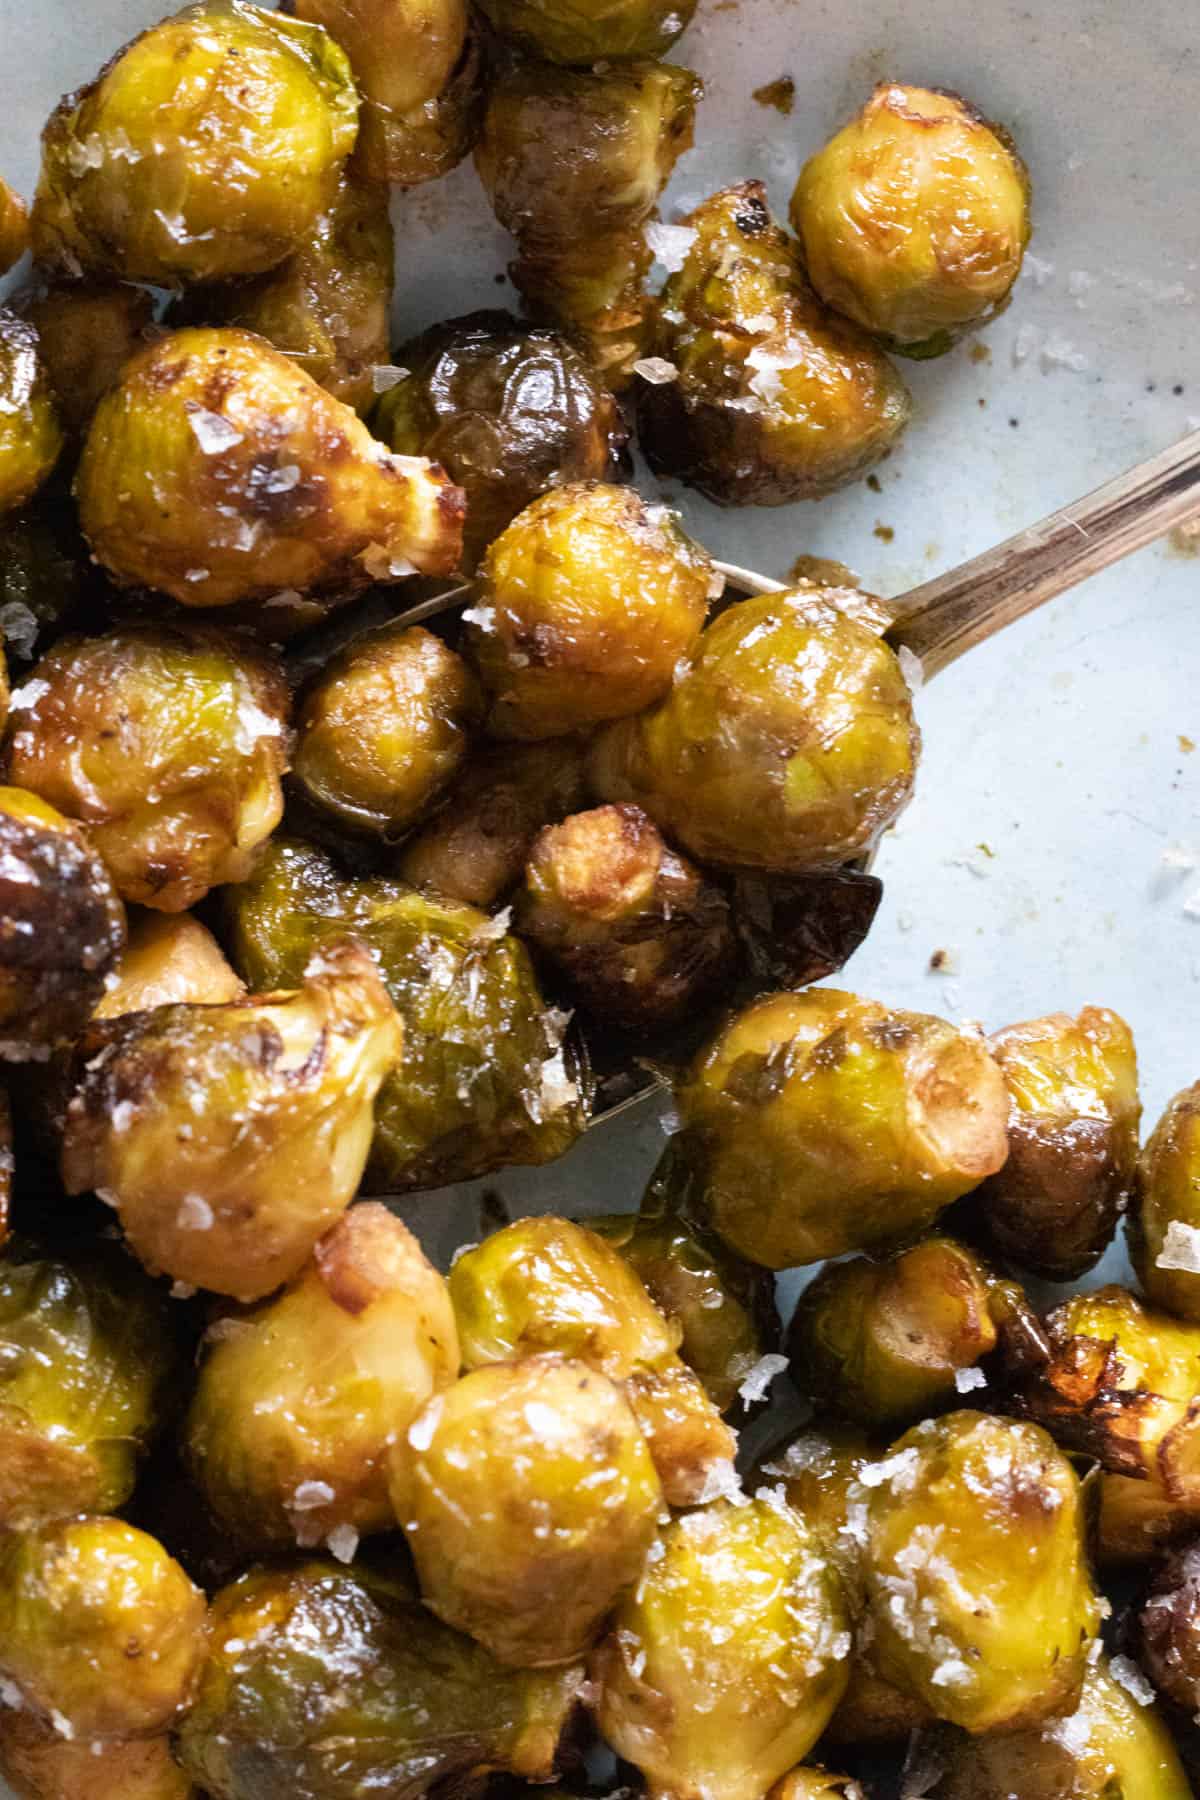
[
  {"x": 87, "y": 332},
  {"x": 299, "y": 1402},
  {"x": 914, "y": 218},
  {"x": 591, "y": 32},
  {"x": 170, "y": 957},
  {"x": 1168, "y": 1629},
  {"x": 229, "y": 1138},
  {"x": 1164, "y": 1225},
  {"x": 218, "y": 470},
  {"x": 31, "y": 437},
  {"x": 204, "y": 149},
  {"x": 768, "y": 397},
  {"x": 42, "y": 1765},
  {"x": 14, "y": 227}
]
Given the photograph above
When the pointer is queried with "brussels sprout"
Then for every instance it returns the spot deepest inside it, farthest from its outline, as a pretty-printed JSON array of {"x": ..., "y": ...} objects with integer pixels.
[
  {"x": 508, "y": 409},
  {"x": 87, "y": 332},
  {"x": 587, "y": 602},
  {"x": 326, "y": 1683},
  {"x": 1168, "y": 1629},
  {"x": 787, "y": 741},
  {"x": 14, "y": 227},
  {"x": 487, "y": 1078},
  {"x": 298, "y": 1402},
  {"x": 1164, "y": 1227},
  {"x": 169, "y": 958},
  {"x": 167, "y": 745},
  {"x": 725, "y": 1666},
  {"x": 977, "y": 1577},
  {"x": 1137, "y": 1520},
  {"x": 824, "y": 1123},
  {"x": 30, "y": 434},
  {"x": 42, "y": 1765},
  {"x": 217, "y": 470},
  {"x": 914, "y": 218},
  {"x": 206, "y": 148},
  {"x": 693, "y": 1449},
  {"x": 770, "y": 398},
  {"x": 385, "y": 728},
  {"x": 597, "y": 31},
  {"x": 229, "y": 1138},
  {"x": 1073, "y": 1116}
]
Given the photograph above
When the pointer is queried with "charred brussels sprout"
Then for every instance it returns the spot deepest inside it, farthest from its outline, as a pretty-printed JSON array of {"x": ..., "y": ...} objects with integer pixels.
[
  {"x": 217, "y": 470},
  {"x": 824, "y": 1123},
  {"x": 14, "y": 227},
  {"x": 229, "y": 1138},
  {"x": 914, "y": 218},
  {"x": 725, "y": 1666},
  {"x": 1164, "y": 1227},
  {"x": 43, "y": 1765},
  {"x": 298, "y": 1402},
  {"x": 508, "y": 409},
  {"x": 1168, "y": 1629},
  {"x": 787, "y": 741},
  {"x": 487, "y": 1079},
  {"x": 206, "y": 148},
  {"x": 87, "y": 332},
  {"x": 30, "y": 434},
  {"x": 770, "y": 397},
  {"x": 169, "y": 958},
  {"x": 638, "y": 932},
  {"x": 588, "y": 601},
  {"x": 278, "y": 1719},
  {"x": 596, "y": 31}
]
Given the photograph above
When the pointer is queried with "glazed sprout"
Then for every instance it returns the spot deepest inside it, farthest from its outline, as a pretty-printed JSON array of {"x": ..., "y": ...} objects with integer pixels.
[
  {"x": 1168, "y": 1629},
  {"x": 787, "y": 741},
  {"x": 205, "y": 149},
  {"x": 277, "y": 1716},
  {"x": 30, "y": 433},
  {"x": 229, "y": 1138},
  {"x": 1164, "y": 1225},
  {"x": 384, "y": 729},
  {"x": 530, "y": 1501},
  {"x": 298, "y": 1401},
  {"x": 488, "y": 1078},
  {"x": 218, "y": 470},
  {"x": 988, "y": 1639},
  {"x": 167, "y": 745},
  {"x": 170, "y": 957},
  {"x": 914, "y": 218},
  {"x": 587, "y": 602},
  {"x": 824, "y": 1123},
  {"x": 14, "y": 227},
  {"x": 87, "y": 331},
  {"x": 757, "y": 394},
  {"x": 598, "y": 31},
  {"x": 508, "y": 409},
  {"x": 637, "y": 931},
  {"x": 43, "y": 1765},
  {"x": 724, "y": 1667}
]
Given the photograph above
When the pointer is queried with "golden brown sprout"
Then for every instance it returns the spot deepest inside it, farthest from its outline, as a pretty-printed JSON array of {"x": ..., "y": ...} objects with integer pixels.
[
  {"x": 87, "y": 332},
  {"x": 42, "y": 1765},
  {"x": 914, "y": 217},
  {"x": 1168, "y": 1629},
  {"x": 217, "y": 470},
  {"x": 229, "y": 1138},
  {"x": 30, "y": 434},
  {"x": 167, "y": 745},
  {"x": 1164, "y": 1225},
  {"x": 692, "y": 1447},
  {"x": 587, "y": 602},
  {"x": 591, "y": 32},
  {"x": 169, "y": 958},
  {"x": 204, "y": 149},
  {"x": 824, "y": 1123},
  {"x": 298, "y": 1402},
  {"x": 14, "y": 227}
]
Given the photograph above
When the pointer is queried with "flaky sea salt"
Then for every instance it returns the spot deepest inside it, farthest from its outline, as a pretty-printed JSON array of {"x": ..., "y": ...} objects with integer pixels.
[
  {"x": 385, "y": 376},
  {"x": 656, "y": 370},
  {"x": 343, "y": 1543},
  {"x": 309, "y": 1495},
  {"x": 721, "y": 1483},
  {"x": 1058, "y": 352},
  {"x": 1124, "y": 1670},
  {"x": 213, "y": 433},
  {"x": 194, "y": 1214},
  {"x": 758, "y": 1382},
  {"x": 22, "y": 698},
  {"x": 912, "y": 668},
  {"x": 893, "y": 1468},
  {"x": 967, "y": 1380},
  {"x": 1180, "y": 1248},
  {"x": 670, "y": 244},
  {"x": 1025, "y": 343},
  {"x": 493, "y": 930}
]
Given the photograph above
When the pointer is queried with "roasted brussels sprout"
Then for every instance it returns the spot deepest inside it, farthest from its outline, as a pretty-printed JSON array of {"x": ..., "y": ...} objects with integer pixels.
[
  {"x": 326, "y": 1683},
  {"x": 488, "y": 1079},
  {"x": 977, "y": 1576},
  {"x": 597, "y": 31},
  {"x": 169, "y": 958},
  {"x": 725, "y": 1666},
  {"x": 384, "y": 729},
  {"x": 167, "y": 745},
  {"x": 30, "y": 434},
  {"x": 587, "y": 603},
  {"x": 205, "y": 149},
  {"x": 299, "y": 1401},
  {"x": 217, "y": 470},
  {"x": 769, "y": 397},
  {"x": 638, "y": 932},
  {"x": 787, "y": 742},
  {"x": 824, "y": 1123},
  {"x": 530, "y": 1501},
  {"x": 1072, "y": 1141},
  {"x": 229, "y": 1138},
  {"x": 914, "y": 217},
  {"x": 43, "y": 1765},
  {"x": 508, "y": 409},
  {"x": 1164, "y": 1226},
  {"x": 1168, "y": 1629},
  {"x": 87, "y": 332},
  {"x": 14, "y": 227}
]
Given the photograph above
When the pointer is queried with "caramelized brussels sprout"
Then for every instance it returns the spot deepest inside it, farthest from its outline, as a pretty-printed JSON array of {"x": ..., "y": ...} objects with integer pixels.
[
  {"x": 1168, "y": 1629},
  {"x": 169, "y": 958},
  {"x": 770, "y": 397},
  {"x": 787, "y": 741},
  {"x": 326, "y": 1683},
  {"x": 229, "y": 1138},
  {"x": 42, "y": 1765},
  {"x": 977, "y": 1576},
  {"x": 587, "y": 602},
  {"x": 87, "y": 332},
  {"x": 204, "y": 149},
  {"x": 597, "y": 31},
  {"x": 167, "y": 745},
  {"x": 1164, "y": 1226},
  {"x": 1073, "y": 1116},
  {"x": 488, "y": 1079},
  {"x": 508, "y": 409},
  {"x": 217, "y": 470},
  {"x": 824, "y": 1123},
  {"x": 385, "y": 728},
  {"x": 298, "y": 1402},
  {"x": 14, "y": 227},
  {"x": 725, "y": 1666},
  {"x": 638, "y": 932},
  {"x": 914, "y": 217},
  {"x": 30, "y": 434}
]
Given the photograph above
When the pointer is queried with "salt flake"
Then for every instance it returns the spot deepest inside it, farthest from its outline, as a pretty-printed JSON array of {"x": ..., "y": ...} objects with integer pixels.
[
  {"x": 758, "y": 1382},
  {"x": 670, "y": 244},
  {"x": 967, "y": 1380},
  {"x": 213, "y": 433},
  {"x": 343, "y": 1543},
  {"x": 309, "y": 1495},
  {"x": 1124, "y": 1670},
  {"x": 656, "y": 370},
  {"x": 385, "y": 376},
  {"x": 1180, "y": 1248}
]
